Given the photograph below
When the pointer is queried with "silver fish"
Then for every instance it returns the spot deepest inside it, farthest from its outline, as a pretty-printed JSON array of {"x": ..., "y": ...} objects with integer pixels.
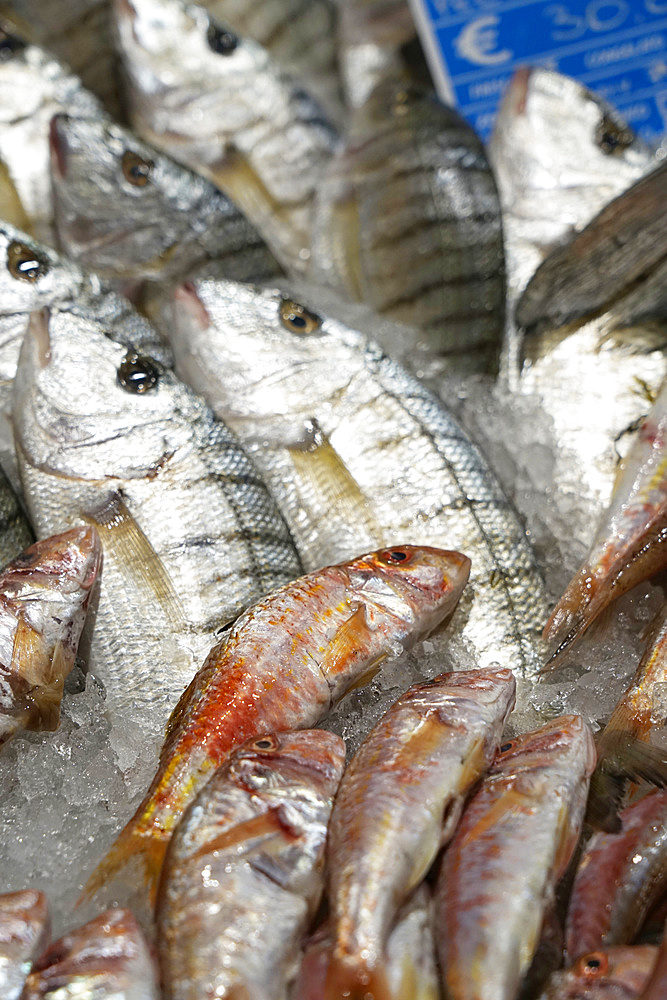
[
  {"x": 499, "y": 872},
  {"x": 44, "y": 595},
  {"x": 358, "y": 453},
  {"x": 33, "y": 87},
  {"x": 301, "y": 37},
  {"x": 244, "y": 871},
  {"x": 79, "y": 33},
  {"x": 191, "y": 535},
  {"x": 106, "y": 959},
  {"x": 218, "y": 103},
  {"x": 24, "y": 933},
  {"x": 399, "y": 801},
  {"x": 559, "y": 153},
  {"x": 412, "y": 182},
  {"x": 129, "y": 212}
]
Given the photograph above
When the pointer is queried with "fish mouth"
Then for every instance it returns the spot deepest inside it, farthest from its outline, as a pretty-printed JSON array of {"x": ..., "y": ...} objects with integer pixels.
[
  {"x": 58, "y": 145},
  {"x": 186, "y": 298}
]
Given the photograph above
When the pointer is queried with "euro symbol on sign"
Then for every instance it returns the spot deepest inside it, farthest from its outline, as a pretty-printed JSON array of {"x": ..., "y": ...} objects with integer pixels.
[{"x": 478, "y": 40}]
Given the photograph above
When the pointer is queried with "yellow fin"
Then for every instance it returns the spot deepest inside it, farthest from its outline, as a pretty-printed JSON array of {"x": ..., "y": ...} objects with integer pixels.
[
  {"x": 47, "y": 696},
  {"x": 135, "y": 556},
  {"x": 324, "y": 472},
  {"x": 348, "y": 638},
  {"x": 150, "y": 849}
]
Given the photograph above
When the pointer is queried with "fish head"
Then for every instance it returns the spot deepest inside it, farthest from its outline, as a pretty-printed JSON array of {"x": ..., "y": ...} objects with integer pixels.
[
  {"x": 280, "y": 357},
  {"x": 121, "y": 205},
  {"x": 69, "y": 562},
  {"x": 90, "y": 408},
  {"x": 266, "y": 763},
  {"x": 564, "y": 737},
  {"x": 615, "y": 974},
  {"x": 413, "y": 585},
  {"x": 203, "y": 73},
  {"x": 33, "y": 275}
]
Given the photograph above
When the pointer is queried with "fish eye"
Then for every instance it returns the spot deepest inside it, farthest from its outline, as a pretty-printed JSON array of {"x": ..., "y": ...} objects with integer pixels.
[
  {"x": 611, "y": 136},
  {"x": 24, "y": 264},
  {"x": 594, "y": 964},
  {"x": 220, "y": 40},
  {"x": 9, "y": 44},
  {"x": 297, "y": 318},
  {"x": 137, "y": 373},
  {"x": 507, "y": 746},
  {"x": 393, "y": 556},
  {"x": 136, "y": 170},
  {"x": 265, "y": 743}
]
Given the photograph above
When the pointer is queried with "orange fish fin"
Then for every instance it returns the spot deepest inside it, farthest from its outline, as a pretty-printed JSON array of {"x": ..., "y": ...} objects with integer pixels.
[
  {"x": 354, "y": 981},
  {"x": 349, "y": 636},
  {"x": 27, "y": 659},
  {"x": 265, "y": 825},
  {"x": 502, "y": 809},
  {"x": 128, "y": 844}
]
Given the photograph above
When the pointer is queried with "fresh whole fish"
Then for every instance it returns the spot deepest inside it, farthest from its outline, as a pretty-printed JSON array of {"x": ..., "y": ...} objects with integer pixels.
[
  {"x": 44, "y": 595},
  {"x": 356, "y": 451},
  {"x": 399, "y": 801},
  {"x": 106, "y": 959},
  {"x": 285, "y": 663},
  {"x": 190, "y": 534},
  {"x": 244, "y": 872},
  {"x": 218, "y": 103},
  {"x": 499, "y": 872},
  {"x": 127, "y": 211},
  {"x": 630, "y": 544},
  {"x": 412, "y": 182},
  {"x": 619, "y": 973},
  {"x": 24, "y": 933},
  {"x": 619, "y": 877},
  {"x": 79, "y": 33},
  {"x": 33, "y": 87},
  {"x": 300, "y": 37}
]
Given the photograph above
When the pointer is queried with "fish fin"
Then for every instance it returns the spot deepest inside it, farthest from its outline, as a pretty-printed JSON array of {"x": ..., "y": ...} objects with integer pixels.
[
  {"x": 236, "y": 176},
  {"x": 605, "y": 801},
  {"x": 128, "y": 844},
  {"x": 368, "y": 675},
  {"x": 323, "y": 471},
  {"x": 354, "y": 981},
  {"x": 134, "y": 554},
  {"x": 344, "y": 243},
  {"x": 502, "y": 809},
  {"x": 46, "y": 698},
  {"x": 42, "y": 679},
  {"x": 353, "y": 631}
]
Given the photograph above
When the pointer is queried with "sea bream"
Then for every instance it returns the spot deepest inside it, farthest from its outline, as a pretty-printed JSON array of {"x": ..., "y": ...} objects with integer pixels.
[
  {"x": 24, "y": 933},
  {"x": 357, "y": 452},
  {"x": 129, "y": 212},
  {"x": 283, "y": 665},
  {"x": 244, "y": 872},
  {"x": 44, "y": 596},
  {"x": 412, "y": 182},
  {"x": 33, "y": 87},
  {"x": 191, "y": 536},
  {"x": 399, "y": 801},
  {"x": 219, "y": 104}
]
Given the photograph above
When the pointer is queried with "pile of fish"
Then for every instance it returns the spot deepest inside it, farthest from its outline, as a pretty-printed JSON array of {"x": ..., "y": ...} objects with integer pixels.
[{"x": 315, "y": 405}]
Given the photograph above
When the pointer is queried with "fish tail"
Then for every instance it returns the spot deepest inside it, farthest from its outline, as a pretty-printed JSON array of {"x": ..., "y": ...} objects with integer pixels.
[
  {"x": 575, "y": 611},
  {"x": 351, "y": 980},
  {"x": 131, "y": 842}
]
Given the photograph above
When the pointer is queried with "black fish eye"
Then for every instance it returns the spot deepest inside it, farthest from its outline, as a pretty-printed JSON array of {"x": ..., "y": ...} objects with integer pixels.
[
  {"x": 220, "y": 40},
  {"x": 506, "y": 746},
  {"x": 265, "y": 743},
  {"x": 297, "y": 318},
  {"x": 594, "y": 964},
  {"x": 137, "y": 373},
  {"x": 9, "y": 44},
  {"x": 612, "y": 136},
  {"x": 22, "y": 263},
  {"x": 136, "y": 170},
  {"x": 393, "y": 556}
]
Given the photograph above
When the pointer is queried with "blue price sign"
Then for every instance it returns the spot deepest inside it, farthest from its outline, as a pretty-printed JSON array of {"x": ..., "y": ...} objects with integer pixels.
[{"x": 618, "y": 48}]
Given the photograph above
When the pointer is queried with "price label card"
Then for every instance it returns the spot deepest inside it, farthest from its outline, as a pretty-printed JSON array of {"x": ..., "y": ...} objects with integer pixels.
[{"x": 618, "y": 48}]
